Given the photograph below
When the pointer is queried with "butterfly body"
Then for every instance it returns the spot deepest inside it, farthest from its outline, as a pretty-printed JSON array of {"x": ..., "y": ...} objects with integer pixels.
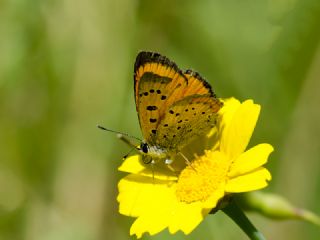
[{"x": 174, "y": 107}]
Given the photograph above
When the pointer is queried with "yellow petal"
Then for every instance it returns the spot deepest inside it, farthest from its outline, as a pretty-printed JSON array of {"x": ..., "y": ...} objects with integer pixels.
[
  {"x": 132, "y": 165},
  {"x": 186, "y": 217},
  {"x": 150, "y": 223},
  {"x": 156, "y": 207},
  {"x": 249, "y": 182},
  {"x": 237, "y": 132},
  {"x": 250, "y": 160},
  {"x": 174, "y": 215},
  {"x": 139, "y": 195},
  {"x": 228, "y": 110},
  {"x": 156, "y": 171}
]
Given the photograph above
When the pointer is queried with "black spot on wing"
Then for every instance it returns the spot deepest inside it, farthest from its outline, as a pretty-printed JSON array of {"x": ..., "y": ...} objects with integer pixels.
[{"x": 152, "y": 108}]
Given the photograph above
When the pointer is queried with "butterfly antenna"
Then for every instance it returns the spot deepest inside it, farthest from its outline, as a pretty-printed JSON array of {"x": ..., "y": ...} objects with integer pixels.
[
  {"x": 127, "y": 141},
  {"x": 124, "y": 134},
  {"x": 125, "y": 156}
]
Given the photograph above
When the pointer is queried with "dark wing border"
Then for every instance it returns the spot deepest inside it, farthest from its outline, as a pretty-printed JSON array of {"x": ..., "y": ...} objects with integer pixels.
[{"x": 205, "y": 83}]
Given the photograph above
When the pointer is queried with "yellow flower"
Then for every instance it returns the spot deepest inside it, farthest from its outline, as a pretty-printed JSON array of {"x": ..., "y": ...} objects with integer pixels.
[{"x": 159, "y": 198}]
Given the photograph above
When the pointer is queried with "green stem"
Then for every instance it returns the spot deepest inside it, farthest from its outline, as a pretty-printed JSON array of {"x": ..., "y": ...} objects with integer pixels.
[{"x": 238, "y": 216}]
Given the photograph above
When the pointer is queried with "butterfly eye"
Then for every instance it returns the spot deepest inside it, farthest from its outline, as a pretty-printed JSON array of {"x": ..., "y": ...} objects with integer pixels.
[{"x": 144, "y": 147}]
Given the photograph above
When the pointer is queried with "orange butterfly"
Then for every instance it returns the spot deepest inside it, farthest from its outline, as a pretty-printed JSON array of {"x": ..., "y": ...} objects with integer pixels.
[{"x": 174, "y": 107}]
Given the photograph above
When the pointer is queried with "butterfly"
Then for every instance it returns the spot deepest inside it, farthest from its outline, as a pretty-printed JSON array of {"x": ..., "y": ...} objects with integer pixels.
[{"x": 174, "y": 107}]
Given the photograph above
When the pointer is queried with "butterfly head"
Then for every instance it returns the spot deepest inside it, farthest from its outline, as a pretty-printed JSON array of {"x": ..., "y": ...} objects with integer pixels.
[
  {"x": 144, "y": 147},
  {"x": 155, "y": 153}
]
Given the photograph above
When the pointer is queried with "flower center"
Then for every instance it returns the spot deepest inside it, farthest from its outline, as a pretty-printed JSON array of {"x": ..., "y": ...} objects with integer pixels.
[{"x": 198, "y": 181}]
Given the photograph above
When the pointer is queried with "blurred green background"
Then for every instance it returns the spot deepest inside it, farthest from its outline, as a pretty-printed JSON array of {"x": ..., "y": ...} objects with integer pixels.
[{"x": 66, "y": 66}]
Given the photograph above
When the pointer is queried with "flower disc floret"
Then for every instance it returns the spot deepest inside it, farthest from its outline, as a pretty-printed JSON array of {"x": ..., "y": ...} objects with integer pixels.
[{"x": 199, "y": 180}]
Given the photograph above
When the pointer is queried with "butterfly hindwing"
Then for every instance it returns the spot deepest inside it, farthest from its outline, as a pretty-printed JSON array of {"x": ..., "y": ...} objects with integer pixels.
[{"x": 186, "y": 119}]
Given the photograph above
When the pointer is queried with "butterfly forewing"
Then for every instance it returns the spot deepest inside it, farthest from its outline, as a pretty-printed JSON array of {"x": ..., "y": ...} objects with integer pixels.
[{"x": 157, "y": 84}]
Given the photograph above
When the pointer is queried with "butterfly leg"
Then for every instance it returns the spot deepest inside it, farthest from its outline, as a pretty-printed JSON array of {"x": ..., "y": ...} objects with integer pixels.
[
  {"x": 128, "y": 142},
  {"x": 167, "y": 163},
  {"x": 147, "y": 159},
  {"x": 127, "y": 155},
  {"x": 187, "y": 160}
]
